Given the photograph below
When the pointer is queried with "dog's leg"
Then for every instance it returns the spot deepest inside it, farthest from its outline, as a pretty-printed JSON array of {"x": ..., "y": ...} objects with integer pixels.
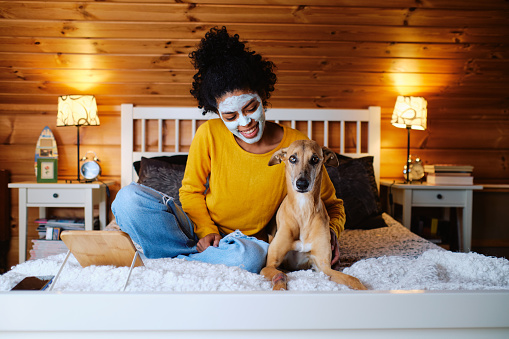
[
  {"x": 343, "y": 279},
  {"x": 280, "y": 245},
  {"x": 321, "y": 255}
]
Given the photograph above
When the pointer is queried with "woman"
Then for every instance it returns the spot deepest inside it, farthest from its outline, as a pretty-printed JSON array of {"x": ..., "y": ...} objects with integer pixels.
[{"x": 229, "y": 193}]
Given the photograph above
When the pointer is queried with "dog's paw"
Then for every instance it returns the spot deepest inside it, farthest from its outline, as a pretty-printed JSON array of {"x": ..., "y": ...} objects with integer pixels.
[
  {"x": 279, "y": 282},
  {"x": 356, "y": 284}
]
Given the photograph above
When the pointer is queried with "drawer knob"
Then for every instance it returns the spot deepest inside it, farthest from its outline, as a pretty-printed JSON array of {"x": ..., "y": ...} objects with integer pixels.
[
  {"x": 439, "y": 196},
  {"x": 55, "y": 195}
]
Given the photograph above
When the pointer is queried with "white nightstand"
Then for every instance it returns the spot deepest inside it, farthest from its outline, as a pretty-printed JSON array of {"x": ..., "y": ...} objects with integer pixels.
[
  {"x": 60, "y": 194},
  {"x": 424, "y": 195}
]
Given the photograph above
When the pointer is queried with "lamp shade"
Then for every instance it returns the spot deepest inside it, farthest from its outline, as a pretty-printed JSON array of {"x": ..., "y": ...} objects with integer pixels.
[
  {"x": 410, "y": 112},
  {"x": 77, "y": 110}
]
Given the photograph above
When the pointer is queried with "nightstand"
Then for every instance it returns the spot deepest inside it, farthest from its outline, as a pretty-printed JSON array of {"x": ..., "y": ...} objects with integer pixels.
[
  {"x": 424, "y": 195},
  {"x": 60, "y": 194}
]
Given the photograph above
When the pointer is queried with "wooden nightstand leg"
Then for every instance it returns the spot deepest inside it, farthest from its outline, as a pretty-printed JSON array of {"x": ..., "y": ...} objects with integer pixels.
[
  {"x": 466, "y": 223},
  {"x": 89, "y": 210},
  {"x": 22, "y": 224},
  {"x": 407, "y": 209},
  {"x": 102, "y": 208},
  {"x": 42, "y": 212}
]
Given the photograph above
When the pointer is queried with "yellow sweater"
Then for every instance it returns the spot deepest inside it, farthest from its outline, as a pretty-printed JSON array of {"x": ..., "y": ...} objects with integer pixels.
[{"x": 244, "y": 192}]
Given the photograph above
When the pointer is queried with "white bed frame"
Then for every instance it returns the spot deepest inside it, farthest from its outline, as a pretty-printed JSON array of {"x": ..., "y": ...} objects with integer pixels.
[
  {"x": 131, "y": 113},
  {"x": 356, "y": 314}
]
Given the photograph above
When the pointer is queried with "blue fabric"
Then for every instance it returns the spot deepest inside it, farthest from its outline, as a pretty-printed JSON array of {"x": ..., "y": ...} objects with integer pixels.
[
  {"x": 163, "y": 230},
  {"x": 147, "y": 216},
  {"x": 236, "y": 249}
]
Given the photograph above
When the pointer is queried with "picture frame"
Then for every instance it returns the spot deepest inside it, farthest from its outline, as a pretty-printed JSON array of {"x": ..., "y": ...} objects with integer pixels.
[{"x": 47, "y": 170}]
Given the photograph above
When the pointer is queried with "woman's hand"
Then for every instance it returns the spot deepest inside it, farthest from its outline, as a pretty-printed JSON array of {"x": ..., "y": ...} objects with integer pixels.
[
  {"x": 335, "y": 248},
  {"x": 208, "y": 240}
]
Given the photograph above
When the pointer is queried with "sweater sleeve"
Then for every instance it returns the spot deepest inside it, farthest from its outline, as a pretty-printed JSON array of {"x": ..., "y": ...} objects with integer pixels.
[
  {"x": 334, "y": 206},
  {"x": 192, "y": 192}
]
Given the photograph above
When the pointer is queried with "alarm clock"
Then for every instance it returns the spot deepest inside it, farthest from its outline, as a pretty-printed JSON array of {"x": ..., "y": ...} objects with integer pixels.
[
  {"x": 90, "y": 168},
  {"x": 416, "y": 170}
]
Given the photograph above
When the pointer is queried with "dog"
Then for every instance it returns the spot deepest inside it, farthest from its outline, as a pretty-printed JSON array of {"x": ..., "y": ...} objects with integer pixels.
[{"x": 302, "y": 239}]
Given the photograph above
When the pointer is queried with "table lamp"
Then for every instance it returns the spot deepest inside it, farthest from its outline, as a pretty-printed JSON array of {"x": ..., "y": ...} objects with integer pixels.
[
  {"x": 410, "y": 113},
  {"x": 77, "y": 110}
]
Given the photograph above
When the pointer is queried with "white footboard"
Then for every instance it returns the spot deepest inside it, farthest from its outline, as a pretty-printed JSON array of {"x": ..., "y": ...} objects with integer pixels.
[{"x": 396, "y": 314}]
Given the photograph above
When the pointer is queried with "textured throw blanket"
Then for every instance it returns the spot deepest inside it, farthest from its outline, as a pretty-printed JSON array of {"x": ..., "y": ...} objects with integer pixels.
[
  {"x": 433, "y": 270},
  {"x": 388, "y": 258}
]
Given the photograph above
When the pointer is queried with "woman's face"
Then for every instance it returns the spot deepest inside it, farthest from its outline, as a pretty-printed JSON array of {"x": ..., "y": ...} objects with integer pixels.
[{"x": 243, "y": 114}]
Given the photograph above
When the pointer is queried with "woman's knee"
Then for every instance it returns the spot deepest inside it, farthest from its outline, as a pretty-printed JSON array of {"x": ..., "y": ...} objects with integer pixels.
[
  {"x": 134, "y": 198},
  {"x": 125, "y": 199}
]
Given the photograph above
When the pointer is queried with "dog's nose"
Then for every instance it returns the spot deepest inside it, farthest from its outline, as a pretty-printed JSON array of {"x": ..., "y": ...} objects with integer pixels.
[{"x": 302, "y": 183}]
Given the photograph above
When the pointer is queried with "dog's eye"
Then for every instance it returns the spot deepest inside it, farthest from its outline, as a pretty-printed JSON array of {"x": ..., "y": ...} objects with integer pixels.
[
  {"x": 314, "y": 160},
  {"x": 292, "y": 159}
]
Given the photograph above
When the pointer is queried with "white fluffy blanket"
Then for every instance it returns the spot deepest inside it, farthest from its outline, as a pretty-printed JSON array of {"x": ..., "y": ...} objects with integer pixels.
[{"x": 432, "y": 270}]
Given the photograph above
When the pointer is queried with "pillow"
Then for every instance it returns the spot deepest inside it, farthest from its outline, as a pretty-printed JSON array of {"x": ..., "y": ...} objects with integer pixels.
[
  {"x": 163, "y": 176},
  {"x": 180, "y": 159},
  {"x": 355, "y": 183}
]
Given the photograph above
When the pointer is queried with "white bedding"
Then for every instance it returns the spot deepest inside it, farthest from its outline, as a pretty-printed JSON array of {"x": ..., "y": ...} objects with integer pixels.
[
  {"x": 433, "y": 270},
  {"x": 390, "y": 258}
]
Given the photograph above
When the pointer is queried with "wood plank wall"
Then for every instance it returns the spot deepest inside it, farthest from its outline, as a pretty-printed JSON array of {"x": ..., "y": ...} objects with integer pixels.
[{"x": 329, "y": 54}]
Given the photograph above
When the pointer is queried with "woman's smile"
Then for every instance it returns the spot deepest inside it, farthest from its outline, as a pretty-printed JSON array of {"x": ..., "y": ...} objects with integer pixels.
[{"x": 250, "y": 133}]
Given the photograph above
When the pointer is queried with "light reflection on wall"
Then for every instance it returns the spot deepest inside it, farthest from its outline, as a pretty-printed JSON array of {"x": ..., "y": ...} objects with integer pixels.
[
  {"x": 408, "y": 83},
  {"x": 83, "y": 74}
]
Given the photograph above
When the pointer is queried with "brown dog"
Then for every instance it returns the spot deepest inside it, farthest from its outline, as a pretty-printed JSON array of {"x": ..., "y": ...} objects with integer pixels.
[{"x": 303, "y": 238}]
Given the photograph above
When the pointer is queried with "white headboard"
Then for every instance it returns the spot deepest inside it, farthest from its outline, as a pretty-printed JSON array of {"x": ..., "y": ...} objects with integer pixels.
[{"x": 322, "y": 125}]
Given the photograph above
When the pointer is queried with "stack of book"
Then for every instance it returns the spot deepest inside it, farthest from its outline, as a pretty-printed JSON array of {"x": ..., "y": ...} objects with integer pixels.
[
  {"x": 42, "y": 248},
  {"x": 444, "y": 174},
  {"x": 50, "y": 229}
]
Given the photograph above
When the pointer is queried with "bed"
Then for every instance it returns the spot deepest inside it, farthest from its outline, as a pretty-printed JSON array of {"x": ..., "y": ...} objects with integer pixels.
[{"x": 416, "y": 289}]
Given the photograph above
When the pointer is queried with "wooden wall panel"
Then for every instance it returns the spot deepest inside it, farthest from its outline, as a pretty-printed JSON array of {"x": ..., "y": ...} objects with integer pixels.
[
  {"x": 157, "y": 12},
  {"x": 20, "y": 61},
  {"x": 132, "y": 46},
  {"x": 328, "y": 54},
  {"x": 473, "y": 135},
  {"x": 451, "y": 4},
  {"x": 313, "y": 77},
  {"x": 105, "y": 29}
]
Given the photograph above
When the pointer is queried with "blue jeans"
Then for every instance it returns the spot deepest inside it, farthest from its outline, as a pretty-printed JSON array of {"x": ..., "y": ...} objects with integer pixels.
[{"x": 163, "y": 230}]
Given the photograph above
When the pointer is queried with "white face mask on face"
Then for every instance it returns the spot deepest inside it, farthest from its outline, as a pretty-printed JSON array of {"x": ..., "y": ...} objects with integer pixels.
[{"x": 236, "y": 104}]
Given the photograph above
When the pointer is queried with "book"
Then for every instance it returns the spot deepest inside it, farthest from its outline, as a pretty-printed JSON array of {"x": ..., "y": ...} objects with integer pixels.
[
  {"x": 66, "y": 223},
  {"x": 452, "y": 174},
  {"x": 434, "y": 227},
  {"x": 448, "y": 168},
  {"x": 49, "y": 233},
  {"x": 56, "y": 233},
  {"x": 434, "y": 179},
  {"x": 52, "y": 233},
  {"x": 50, "y": 228},
  {"x": 43, "y": 248}
]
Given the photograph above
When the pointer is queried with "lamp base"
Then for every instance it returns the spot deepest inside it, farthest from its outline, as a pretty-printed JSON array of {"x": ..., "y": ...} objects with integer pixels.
[
  {"x": 406, "y": 174},
  {"x": 414, "y": 170}
]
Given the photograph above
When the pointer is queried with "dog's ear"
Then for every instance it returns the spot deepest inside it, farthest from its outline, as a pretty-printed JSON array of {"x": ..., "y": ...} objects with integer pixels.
[
  {"x": 278, "y": 157},
  {"x": 329, "y": 158}
]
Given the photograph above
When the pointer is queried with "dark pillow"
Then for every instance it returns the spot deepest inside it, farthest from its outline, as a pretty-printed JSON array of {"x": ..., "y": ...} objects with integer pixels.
[
  {"x": 162, "y": 176},
  {"x": 179, "y": 159},
  {"x": 355, "y": 183}
]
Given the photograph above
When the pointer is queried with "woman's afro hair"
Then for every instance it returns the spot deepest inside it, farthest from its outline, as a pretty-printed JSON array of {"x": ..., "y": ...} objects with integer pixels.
[{"x": 224, "y": 65}]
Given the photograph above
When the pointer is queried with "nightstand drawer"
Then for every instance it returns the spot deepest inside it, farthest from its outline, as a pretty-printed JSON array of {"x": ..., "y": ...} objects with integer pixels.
[
  {"x": 438, "y": 197},
  {"x": 48, "y": 196}
]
